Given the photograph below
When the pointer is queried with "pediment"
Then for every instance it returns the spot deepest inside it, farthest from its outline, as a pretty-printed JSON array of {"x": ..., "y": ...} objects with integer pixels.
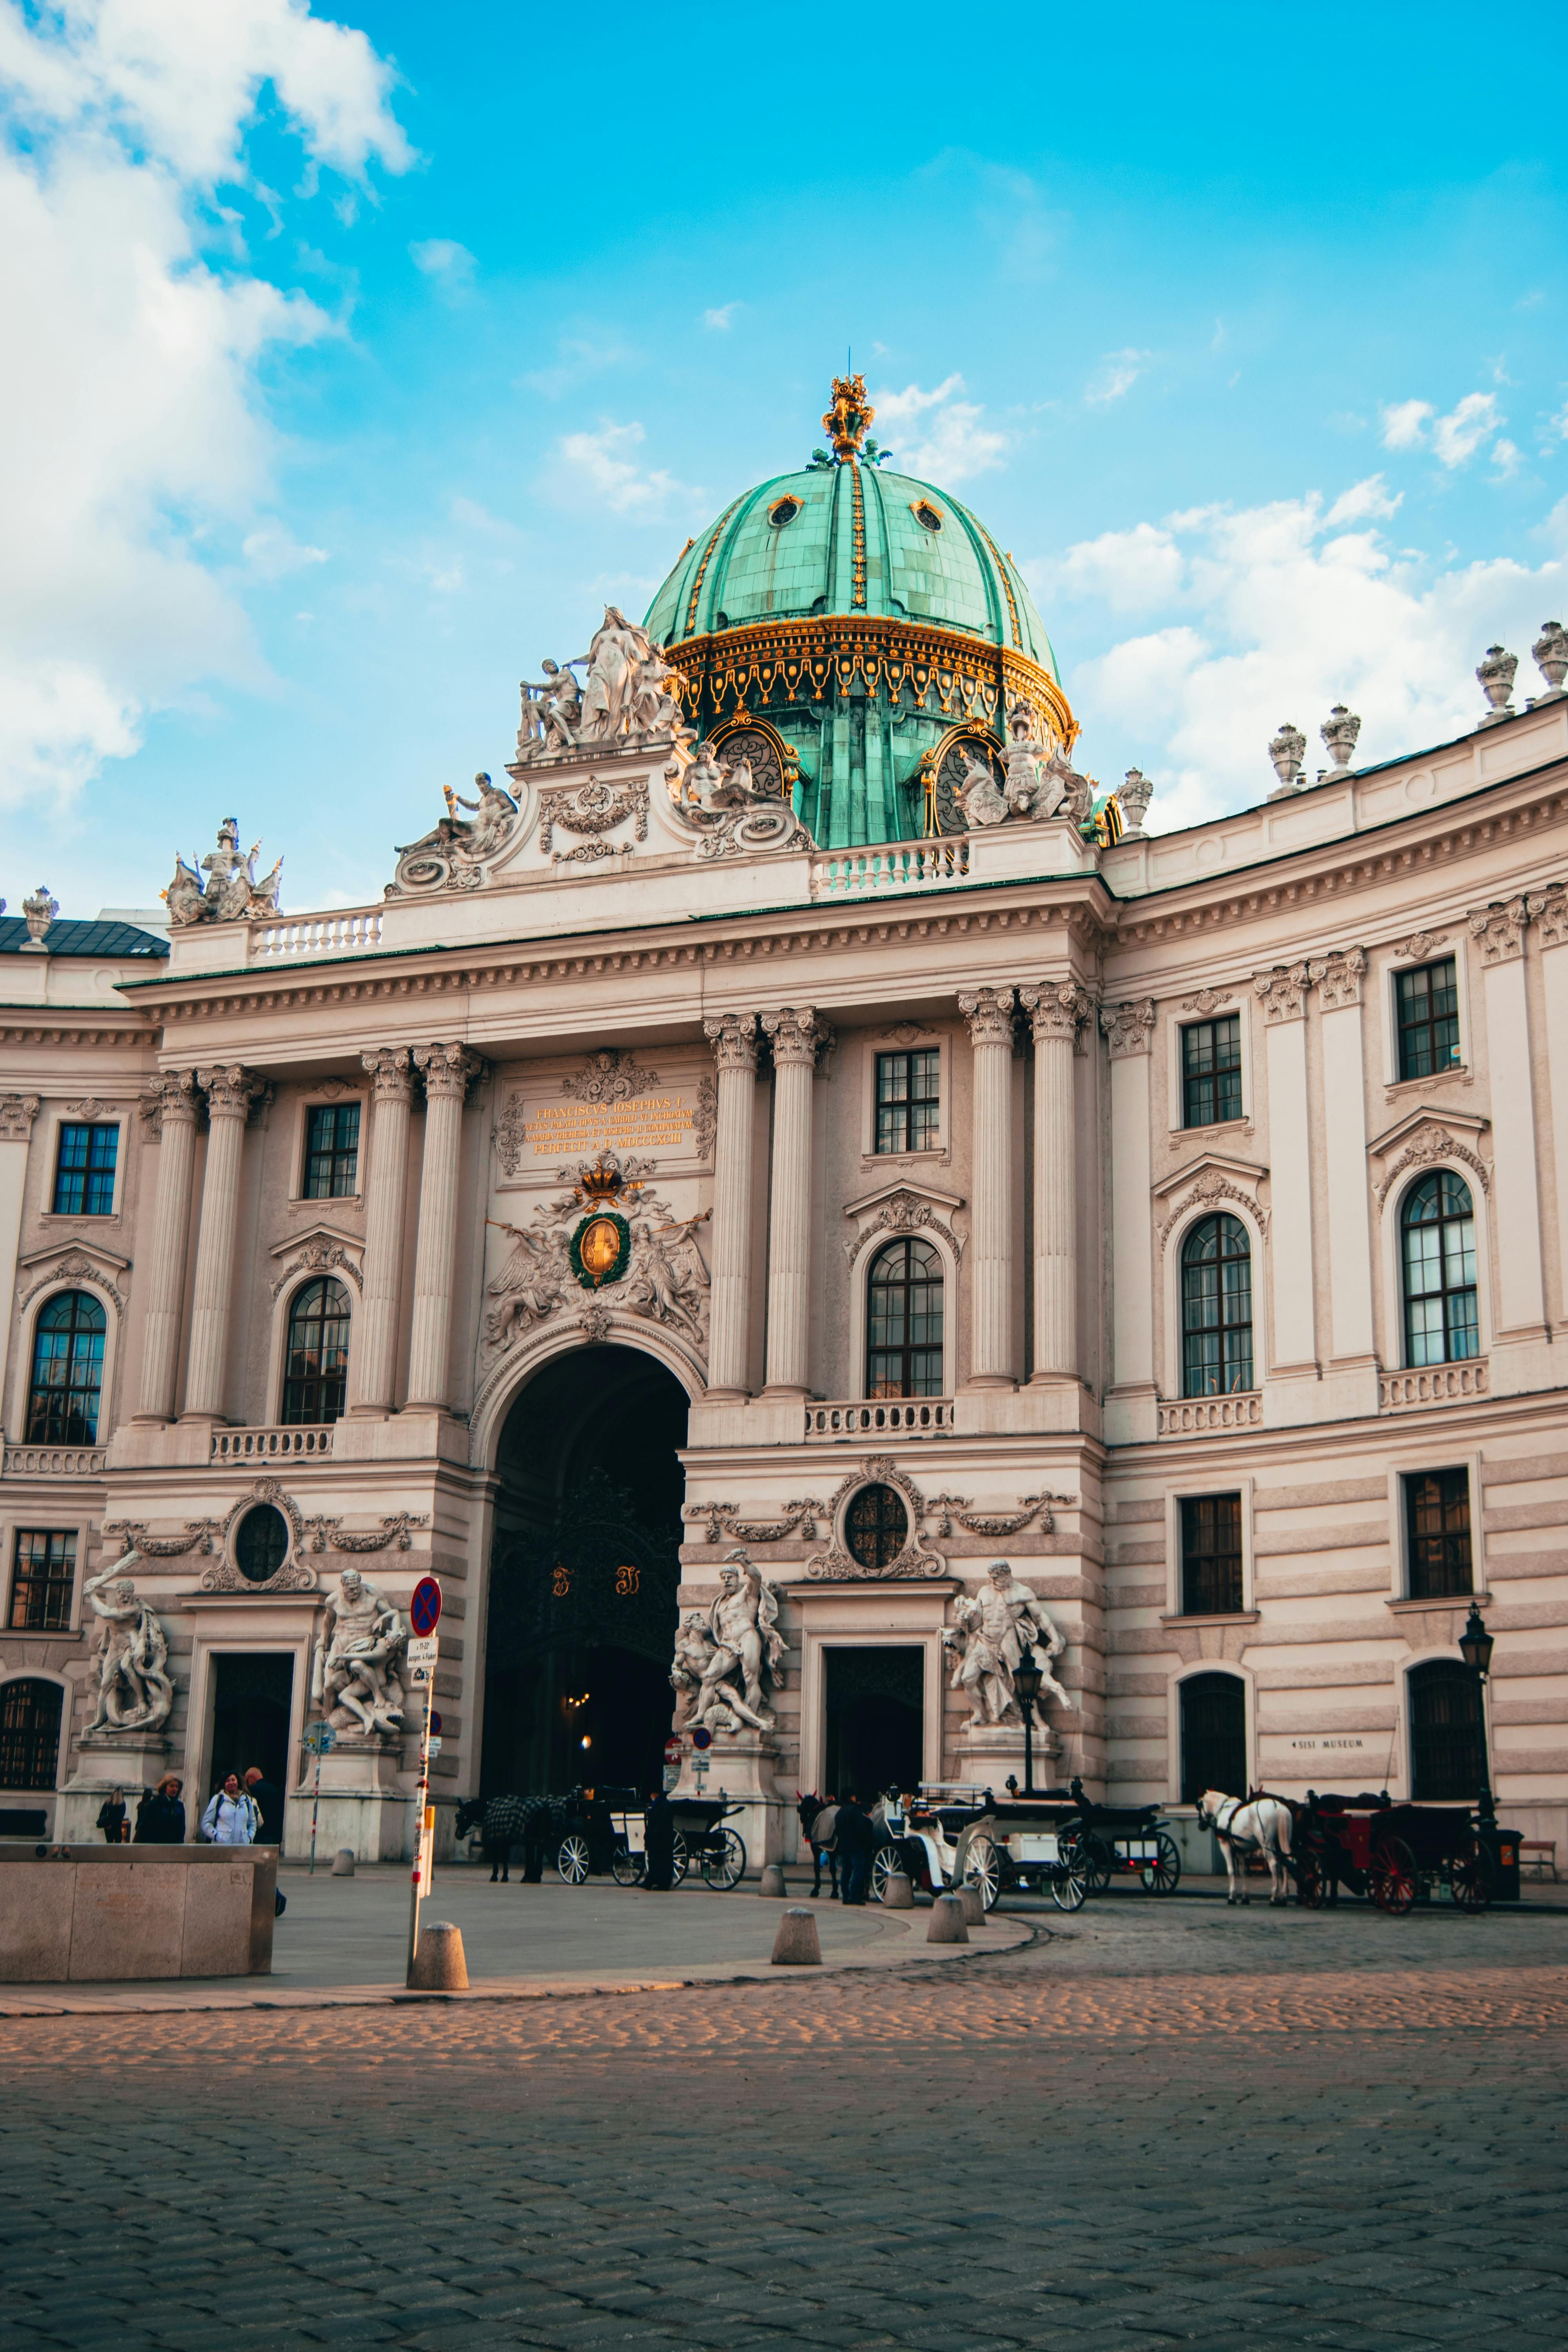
[
  {"x": 1426, "y": 1115},
  {"x": 85, "y": 1243},
  {"x": 1239, "y": 1171},
  {"x": 915, "y": 1186},
  {"x": 319, "y": 1232}
]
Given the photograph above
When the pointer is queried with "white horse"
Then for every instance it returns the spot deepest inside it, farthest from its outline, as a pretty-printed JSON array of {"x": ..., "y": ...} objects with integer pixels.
[{"x": 1262, "y": 1826}]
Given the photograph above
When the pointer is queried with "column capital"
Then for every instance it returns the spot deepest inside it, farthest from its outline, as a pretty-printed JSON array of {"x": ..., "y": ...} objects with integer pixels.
[
  {"x": 796, "y": 1033},
  {"x": 1553, "y": 916},
  {"x": 1057, "y": 1009},
  {"x": 447, "y": 1069},
  {"x": 169, "y": 1101},
  {"x": 1498, "y": 929},
  {"x": 17, "y": 1113},
  {"x": 989, "y": 1012},
  {"x": 1282, "y": 992},
  {"x": 392, "y": 1080},
  {"x": 230, "y": 1091},
  {"x": 1129, "y": 1027},
  {"x": 1337, "y": 977},
  {"x": 733, "y": 1037}
]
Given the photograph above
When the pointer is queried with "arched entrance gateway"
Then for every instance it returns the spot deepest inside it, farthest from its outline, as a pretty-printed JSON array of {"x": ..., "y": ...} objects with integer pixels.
[{"x": 587, "y": 1559}]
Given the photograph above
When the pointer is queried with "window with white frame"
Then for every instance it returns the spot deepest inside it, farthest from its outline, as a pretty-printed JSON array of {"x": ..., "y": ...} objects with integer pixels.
[
  {"x": 1427, "y": 1018},
  {"x": 1437, "y": 1255},
  {"x": 1216, "y": 1308},
  {"x": 1437, "y": 1534},
  {"x": 1211, "y": 1071}
]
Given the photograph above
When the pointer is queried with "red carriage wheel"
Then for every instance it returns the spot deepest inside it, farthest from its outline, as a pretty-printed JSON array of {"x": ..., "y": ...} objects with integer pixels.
[
  {"x": 1311, "y": 1886},
  {"x": 1393, "y": 1876},
  {"x": 1471, "y": 1879}
]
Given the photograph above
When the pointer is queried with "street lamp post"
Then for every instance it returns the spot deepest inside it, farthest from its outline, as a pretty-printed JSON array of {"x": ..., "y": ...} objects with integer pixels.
[
  {"x": 1026, "y": 1681},
  {"x": 1476, "y": 1649}
]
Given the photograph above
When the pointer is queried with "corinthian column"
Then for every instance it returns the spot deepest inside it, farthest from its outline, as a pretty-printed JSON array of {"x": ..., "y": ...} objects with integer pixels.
[
  {"x": 989, "y": 1012},
  {"x": 230, "y": 1092},
  {"x": 796, "y": 1034},
  {"x": 447, "y": 1069},
  {"x": 733, "y": 1037},
  {"x": 1057, "y": 1010},
  {"x": 174, "y": 1097},
  {"x": 385, "y": 1194}
]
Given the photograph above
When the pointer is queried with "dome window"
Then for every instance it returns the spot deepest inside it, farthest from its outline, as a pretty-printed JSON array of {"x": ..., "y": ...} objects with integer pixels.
[
  {"x": 782, "y": 510},
  {"x": 928, "y": 517}
]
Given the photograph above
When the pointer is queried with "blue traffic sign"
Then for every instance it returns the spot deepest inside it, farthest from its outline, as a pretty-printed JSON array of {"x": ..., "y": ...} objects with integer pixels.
[
  {"x": 425, "y": 1608},
  {"x": 701, "y": 1738},
  {"x": 435, "y": 1724}
]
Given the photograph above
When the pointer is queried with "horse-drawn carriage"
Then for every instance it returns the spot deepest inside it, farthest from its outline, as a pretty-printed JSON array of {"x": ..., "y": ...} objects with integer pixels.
[
  {"x": 590, "y": 1832},
  {"x": 1392, "y": 1852},
  {"x": 701, "y": 1843},
  {"x": 1057, "y": 1842}
]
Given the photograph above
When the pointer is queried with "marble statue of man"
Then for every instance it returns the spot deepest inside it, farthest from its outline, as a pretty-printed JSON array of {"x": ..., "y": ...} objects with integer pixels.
[
  {"x": 356, "y": 1679},
  {"x": 748, "y": 1648},
  {"x": 983, "y": 803},
  {"x": 497, "y": 813},
  {"x": 1029, "y": 793},
  {"x": 135, "y": 1689},
  {"x": 1000, "y": 1625},
  {"x": 693, "y": 1650}
]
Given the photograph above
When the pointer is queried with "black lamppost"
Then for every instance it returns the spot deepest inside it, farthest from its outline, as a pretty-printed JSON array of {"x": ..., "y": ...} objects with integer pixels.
[
  {"x": 1026, "y": 1681},
  {"x": 1476, "y": 1649}
]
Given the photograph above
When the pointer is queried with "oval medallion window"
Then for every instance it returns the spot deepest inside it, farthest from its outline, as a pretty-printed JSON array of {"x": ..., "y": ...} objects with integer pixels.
[
  {"x": 782, "y": 511},
  {"x": 876, "y": 1526},
  {"x": 261, "y": 1543},
  {"x": 926, "y": 515}
]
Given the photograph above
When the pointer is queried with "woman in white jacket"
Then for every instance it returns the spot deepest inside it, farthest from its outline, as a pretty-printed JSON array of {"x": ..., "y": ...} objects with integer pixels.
[{"x": 231, "y": 1818}]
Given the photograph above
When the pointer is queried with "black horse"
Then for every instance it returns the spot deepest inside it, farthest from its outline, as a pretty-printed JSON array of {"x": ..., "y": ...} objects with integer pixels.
[
  {"x": 506, "y": 1822},
  {"x": 813, "y": 1809}
]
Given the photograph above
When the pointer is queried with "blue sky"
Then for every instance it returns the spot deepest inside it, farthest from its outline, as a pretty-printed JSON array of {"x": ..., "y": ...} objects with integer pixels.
[{"x": 359, "y": 355}]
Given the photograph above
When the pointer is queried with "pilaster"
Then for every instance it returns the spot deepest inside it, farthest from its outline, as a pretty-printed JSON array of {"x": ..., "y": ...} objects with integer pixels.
[
  {"x": 230, "y": 1092},
  {"x": 1281, "y": 994},
  {"x": 733, "y": 1037},
  {"x": 1057, "y": 1011},
  {"x": 448, "y": 1072},
  {"x": 373, "y": 1383},
  {"x": 1499, "y": 931},
  {"x": 1130, "y": 1416},
  {"x": 989, "y": 1012},
  {"x": 1338, "y": 978},
  {"x": 796, "y": 1036}
]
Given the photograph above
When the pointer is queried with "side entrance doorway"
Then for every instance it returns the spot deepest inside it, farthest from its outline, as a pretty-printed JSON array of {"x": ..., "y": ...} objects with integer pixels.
[
  {"x": 252, "y": 1695},
  {"x": 875, "y": 1726}
]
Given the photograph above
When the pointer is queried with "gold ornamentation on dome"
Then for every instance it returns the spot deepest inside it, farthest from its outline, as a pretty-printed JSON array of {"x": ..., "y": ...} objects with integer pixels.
[
  {"x": 849, "y": 416},
  {"x": 858, "y": 579}
]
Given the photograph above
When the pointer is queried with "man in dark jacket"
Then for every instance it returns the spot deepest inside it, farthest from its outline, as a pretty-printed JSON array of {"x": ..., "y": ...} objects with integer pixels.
[
  {"x": 161, "y": 1816},
  {"x": 659, "y": 1843},
  {"x": 856, "y": 1837},
  {"x": 268, "y": 1798}
]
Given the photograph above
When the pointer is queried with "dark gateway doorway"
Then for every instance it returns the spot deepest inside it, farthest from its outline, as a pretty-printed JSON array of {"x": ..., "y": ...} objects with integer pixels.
[
  {"x": 252, "y": 1692},
  {"x": 581, "y": 1627},
  {"x": 875, "y": 1720}
]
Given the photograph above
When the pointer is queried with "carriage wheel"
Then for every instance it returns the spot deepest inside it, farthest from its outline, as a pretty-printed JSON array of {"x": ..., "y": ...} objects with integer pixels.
[
  {"x": 1471, "y": 1879},
  {"x": 723, "y": 1860},
  {"x": 1164, "y": 1875},
  {"x": 571, "y": 1860},
  {"x": 628, "y": 1866},
  {"x": 1393, "y": 1876},
  {"x": 888, "y": 1861},
  {"x": 982, "y": 1869},
  {"x": 1086, "y": 1856},
  {"x": 680, "y": 1860},
  {"x": 1070, "y": 1890},
  {"x": 1311, "y": 1886}
]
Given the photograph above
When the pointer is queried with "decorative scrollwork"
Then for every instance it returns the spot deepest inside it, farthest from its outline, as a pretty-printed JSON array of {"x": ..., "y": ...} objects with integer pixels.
[
  {"x": 724, "y": 1521},
  {"x": 913, "y": 1560},
  {"x": 949, "y": 1511},
  {"x": 74, "y": 1267},
  {"x": 595, "y": 809},
  {"x": 1430, "y": 1148},
  {"x": 330, "y": 1534},
  {"x": 198, "y": 1537}
]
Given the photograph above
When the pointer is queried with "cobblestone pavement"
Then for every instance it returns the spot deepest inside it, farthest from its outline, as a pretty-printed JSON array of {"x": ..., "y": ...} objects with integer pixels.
[{"x": 1138, "y": 2132}]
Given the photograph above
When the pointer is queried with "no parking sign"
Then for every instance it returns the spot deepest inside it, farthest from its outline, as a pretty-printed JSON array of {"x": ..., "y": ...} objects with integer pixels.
[{"x": 425, "y": 1608}]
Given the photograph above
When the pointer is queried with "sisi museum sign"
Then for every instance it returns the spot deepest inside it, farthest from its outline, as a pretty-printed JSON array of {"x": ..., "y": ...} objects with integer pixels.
[{"x": 791, "y": 1202}]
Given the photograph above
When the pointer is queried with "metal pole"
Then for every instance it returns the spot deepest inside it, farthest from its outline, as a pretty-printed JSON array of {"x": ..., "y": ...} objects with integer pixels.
[
  {"x": 1028, "y": 1748},
  {"x": 416, "y": 1890},
  {"x": 315, "y": 1809},
  {"x": 1487, "y": 1807}
]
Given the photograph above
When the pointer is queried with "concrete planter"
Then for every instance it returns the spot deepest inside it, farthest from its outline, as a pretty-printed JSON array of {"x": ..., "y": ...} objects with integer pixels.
[{"x": 76, "y": 1914}]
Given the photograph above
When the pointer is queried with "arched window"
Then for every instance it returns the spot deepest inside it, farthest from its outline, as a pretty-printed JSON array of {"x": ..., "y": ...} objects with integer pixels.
[
  {"x": 1445, "y": 1757},
  {"x": 316, "y": 1368},
  {"x": 1216, "y": 1308},
  {"x": 29, "y": 1734},
  {"x": 1438, "y": 1233},
  {"x": 1213, "y": 1736},
  {"x": 67, "y": 1371},
  {"x": 903, "y": 1352},
  {"x": 876, "y": 1526}
]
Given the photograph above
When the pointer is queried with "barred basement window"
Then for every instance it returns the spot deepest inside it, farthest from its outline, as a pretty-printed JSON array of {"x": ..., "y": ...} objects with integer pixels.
[
  {"x": 43, "y": 1579},
  {"x": 1445, "y": 1757},
  {"x": 29, "y": 1734}
]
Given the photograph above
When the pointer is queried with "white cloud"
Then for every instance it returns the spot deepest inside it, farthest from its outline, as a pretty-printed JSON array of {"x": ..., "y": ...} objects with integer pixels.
[
  {"x": 1278, "y": 611},
  {"x": 1363, "y": 499},
  {"x": 1457, "y": 437},
  {"x": 134, "y": 455},
  {"x": 1405, "y": 425},
  {"x": 1119, "y": 371},
  {"x": 1559, "y": 423},
  {"x": 603, "y": 466},
  {"x": 950, "y": 442},
  {"x": 1506, "y": 458},
  {"x": 720, "y": 319},
  {"x": 450, "y": 265}
]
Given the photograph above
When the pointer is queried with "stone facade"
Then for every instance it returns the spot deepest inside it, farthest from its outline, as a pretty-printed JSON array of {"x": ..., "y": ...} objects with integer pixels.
[{"x": 585, "y": 1017}]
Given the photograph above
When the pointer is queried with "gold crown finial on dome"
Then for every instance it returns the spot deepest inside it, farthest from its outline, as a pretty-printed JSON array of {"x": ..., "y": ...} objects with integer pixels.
[{"x": 849, "y": 416}]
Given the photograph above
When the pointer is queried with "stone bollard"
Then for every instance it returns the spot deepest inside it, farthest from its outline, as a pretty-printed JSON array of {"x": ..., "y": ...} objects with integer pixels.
[
  {"x": 898, "y": 1894},
  {"x": 439, "y": 1964},
  {"x": 344, "y": 1862},
  {"x": 795, "y": 1944},
  {"x": 974, "y": 1904},
  {"x": 948, "y": 1925},
  {"x": 773, "y": 1880}
]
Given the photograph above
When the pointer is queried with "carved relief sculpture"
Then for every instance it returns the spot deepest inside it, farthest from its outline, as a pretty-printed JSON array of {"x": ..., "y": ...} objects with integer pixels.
[
  {"x": 993, "y": 1633},
  {"x": 134, "y": 1688},
  {"x": 356, "y": 1681},
  {"x": 661, "y": 1274},
  {"x": 744, "y": 1662}
]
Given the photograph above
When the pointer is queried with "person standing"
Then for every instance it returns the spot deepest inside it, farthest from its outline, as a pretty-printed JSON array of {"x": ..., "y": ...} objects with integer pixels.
[
  {"x": 231, "y": 1818},
  {"x": 161, "y": 1815},
  {"x": 659, "y": 1843},
  {"x": 857, "y": 1840},
  {"x": 268, "y": 1798},
  {"x": 111, "y": 1818}
]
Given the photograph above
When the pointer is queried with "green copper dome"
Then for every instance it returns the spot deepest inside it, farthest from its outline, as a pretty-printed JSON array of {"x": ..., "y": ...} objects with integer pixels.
[{"x": 788, "y": 548}]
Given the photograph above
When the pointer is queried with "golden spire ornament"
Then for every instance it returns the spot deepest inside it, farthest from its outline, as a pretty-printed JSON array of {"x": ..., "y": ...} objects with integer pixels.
[{"x": 849, "y": 416}]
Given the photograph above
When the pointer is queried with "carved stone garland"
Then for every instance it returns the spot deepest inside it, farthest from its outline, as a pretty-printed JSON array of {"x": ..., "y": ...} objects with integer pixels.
[
  {"x": 950, "y": 1511},
  {"x": 724, "y": 1521},
  {"x": 330, "y": 1534},
  {"x": 913, "y": 1560}
]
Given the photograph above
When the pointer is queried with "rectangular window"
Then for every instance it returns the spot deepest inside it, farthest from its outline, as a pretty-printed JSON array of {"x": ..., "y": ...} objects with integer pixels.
[
  {"x": 909, "y": 1101},
  {"x": 84, "y": 1172},
  {"x": 43, "y": 1576},
  {"x": 1211, "y": 1071},
  {"x": 331, "y": 1151},
  {"x": 1211, "y": 1556},
  {"x": 1437, "y": 1533},
  {"x": 1428, "y": 1006}
]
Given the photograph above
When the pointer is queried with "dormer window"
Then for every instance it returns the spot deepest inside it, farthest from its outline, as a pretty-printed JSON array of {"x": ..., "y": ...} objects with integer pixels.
[
  {"x": 782, "y": 510},
  {"x": 928, "y": 517}
]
